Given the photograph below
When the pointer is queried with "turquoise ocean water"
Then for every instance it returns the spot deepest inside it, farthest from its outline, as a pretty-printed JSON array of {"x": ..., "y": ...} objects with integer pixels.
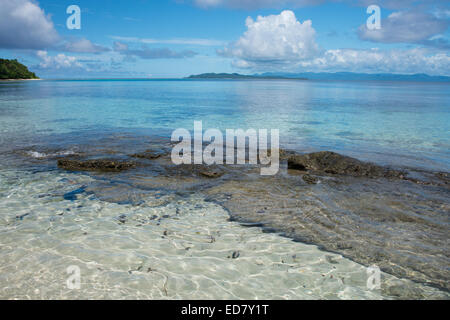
[
  {"x": 150, "y": 235},
  {"x": 388, "y": 122}
]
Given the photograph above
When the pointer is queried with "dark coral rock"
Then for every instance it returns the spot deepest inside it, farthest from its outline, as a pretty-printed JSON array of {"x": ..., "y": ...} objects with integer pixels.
[
  {"x": 334, "y": 163},
  {"x": 210, "y": 172},
  {"x": 95, "y": 165},
  {"x": 149, "y": 154},
  {"x": 310, "y": 179}
]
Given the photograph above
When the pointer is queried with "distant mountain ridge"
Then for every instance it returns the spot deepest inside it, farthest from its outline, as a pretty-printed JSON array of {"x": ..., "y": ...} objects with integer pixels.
[
  {"x": 360, "y": 76},
  {"x": 13, "y": 69},
  {"x": 237, "y": 76},
  {"x": 324, "y": 76}
]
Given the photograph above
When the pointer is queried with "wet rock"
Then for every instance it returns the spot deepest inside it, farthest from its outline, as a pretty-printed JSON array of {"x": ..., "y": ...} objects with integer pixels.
[
  {"x": 122, "y": 218},
  {"x": 341, "y": 245},
  {"x": 334, "y": 163},
  {"x": 444, "y": 177},
  {"x": 149, "y": 154},
  {"x": 95, "y": 165},
  {"x": 331, "y": 260},
  {"x": 286, "y": 154},
  {"x": 310, "y": 179},
  {"x": 210, "y": 172},
  {"x": 195, "y": 170},
  {"x": 283, "y": 154}
]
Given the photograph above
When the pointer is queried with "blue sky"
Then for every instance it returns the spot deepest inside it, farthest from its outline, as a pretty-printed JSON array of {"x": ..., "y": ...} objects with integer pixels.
[{"x": 176, "y": 38}]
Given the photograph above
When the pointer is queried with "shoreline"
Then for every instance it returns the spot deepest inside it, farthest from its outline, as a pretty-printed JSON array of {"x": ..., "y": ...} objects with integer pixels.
[{"x": 20, "y": 79}]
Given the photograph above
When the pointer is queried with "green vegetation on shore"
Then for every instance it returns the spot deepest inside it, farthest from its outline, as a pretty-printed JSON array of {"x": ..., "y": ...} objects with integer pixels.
[{"x": 13, "y": 69}]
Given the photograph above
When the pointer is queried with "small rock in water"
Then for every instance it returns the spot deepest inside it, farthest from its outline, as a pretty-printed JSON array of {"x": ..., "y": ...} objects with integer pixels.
[
  {"x": 211, "y": 173},
  {"x": 330, "y": 259},
  {"x": 122, "y": 218},
  {"x": 310, "y": 179},
  {"x": 235, "y": 255}
]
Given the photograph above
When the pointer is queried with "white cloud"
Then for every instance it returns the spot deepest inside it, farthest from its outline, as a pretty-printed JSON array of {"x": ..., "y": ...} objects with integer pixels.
[
  {"x": 83, "y": 46},
  {"x": 152, "y": 53},
  {"x": 442, "y": 13},
  {"x": 281, "y": 43},
  {"x": 271, "y": 40},
  {"x": 407, "y": 61},
  {"x": 405, "y": 26},
  {"x": 60, "y": 61},
  {"x": 181, "y": 41},
  {"x": 120, "y": 47},
  {"x": 23, "y": 25}
]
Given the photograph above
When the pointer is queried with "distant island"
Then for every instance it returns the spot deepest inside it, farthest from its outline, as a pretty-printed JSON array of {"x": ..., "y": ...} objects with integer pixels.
[
  {"x": 350, "y": 76},
  {"x": 237, "y": 76},
  {"x": 14, "y": 70}
]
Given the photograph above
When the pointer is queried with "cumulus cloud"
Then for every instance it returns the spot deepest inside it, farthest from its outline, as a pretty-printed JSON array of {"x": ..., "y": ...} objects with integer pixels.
[
  {"x": 409, "y": 61},
  {"x": 60, "y": 61},
  {"x": 82, "y": 46},
  {"x": 405, "y": 26},
  {"x": 152, "y": 53},
  {"x": 282, "y": 43},
  {"x": 23, "y": 25},
  {"x": 275, "y": 39}
]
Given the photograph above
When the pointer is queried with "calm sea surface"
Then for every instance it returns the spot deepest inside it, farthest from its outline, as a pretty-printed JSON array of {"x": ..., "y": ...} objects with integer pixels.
[
  {"x": 151, "y": 234},
  {"x": 388, "y": 122}
]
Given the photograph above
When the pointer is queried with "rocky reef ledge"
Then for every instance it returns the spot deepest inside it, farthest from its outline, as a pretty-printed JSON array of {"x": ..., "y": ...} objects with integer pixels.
[
  {"x": 394, "y": 218},
  {"x": 104, "y": 165},
  {"x": 334, "y": 163}
]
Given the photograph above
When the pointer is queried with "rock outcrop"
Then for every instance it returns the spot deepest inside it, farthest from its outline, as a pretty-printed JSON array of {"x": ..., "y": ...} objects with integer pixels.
[
  {"x": 334, "y": 163},
  {"x": 149, "y": 154},
  {"x": 95, "y": 165}
]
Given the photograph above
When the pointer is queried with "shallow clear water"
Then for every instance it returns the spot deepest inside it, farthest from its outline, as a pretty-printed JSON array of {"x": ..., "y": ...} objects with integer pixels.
[
  {"x": 174, "y": 248},
  {"x": 172, "y": 242}
]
